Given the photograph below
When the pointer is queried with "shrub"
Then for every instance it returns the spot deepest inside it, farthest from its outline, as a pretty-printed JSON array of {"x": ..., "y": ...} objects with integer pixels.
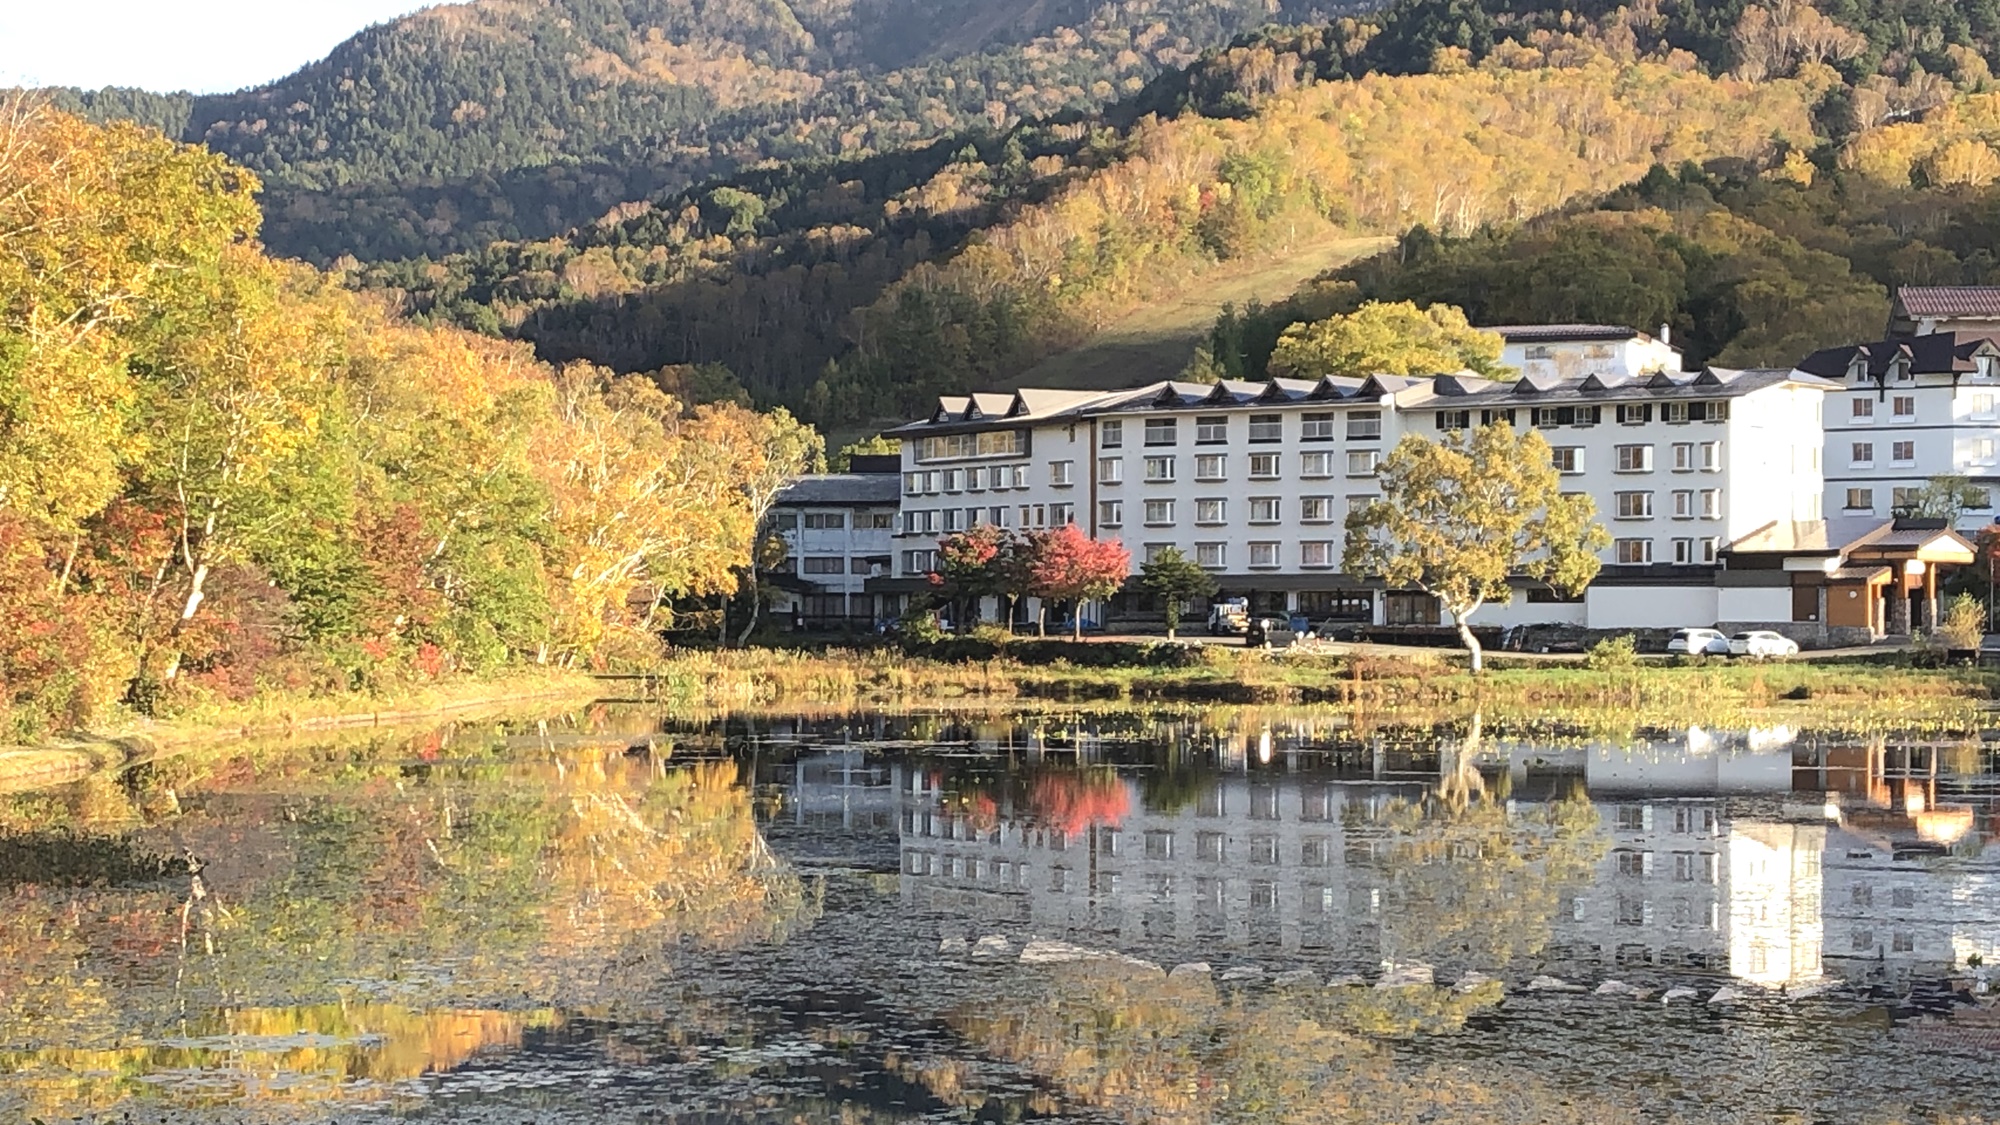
[
  {"x": 1964, "y": 623},
  {"x": 1620, "y": 651}
]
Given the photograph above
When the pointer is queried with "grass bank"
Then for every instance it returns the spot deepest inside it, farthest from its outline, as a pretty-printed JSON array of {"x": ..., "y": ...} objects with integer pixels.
[
  {"x": 1878, "y": 693},
  {"x": 196, "y": 722}
]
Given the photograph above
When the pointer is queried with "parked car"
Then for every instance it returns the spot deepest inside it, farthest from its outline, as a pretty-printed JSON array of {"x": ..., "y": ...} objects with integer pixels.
[
  {"x": 1274, "y": 632},
  {"x": 1699, "y": 642},
  {"x": 1761, "y": 643}
]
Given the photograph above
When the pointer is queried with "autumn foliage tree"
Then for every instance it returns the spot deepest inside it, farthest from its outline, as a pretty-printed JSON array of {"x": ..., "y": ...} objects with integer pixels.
[
  {"x": 1460, "y": 516},
  {"x": 1065, "y": 564},
  {"x": 221, "y": 473}
]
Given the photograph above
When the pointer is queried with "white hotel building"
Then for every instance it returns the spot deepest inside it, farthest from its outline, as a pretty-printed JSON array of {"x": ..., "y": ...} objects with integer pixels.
[{"x": 1254, "y": 480}]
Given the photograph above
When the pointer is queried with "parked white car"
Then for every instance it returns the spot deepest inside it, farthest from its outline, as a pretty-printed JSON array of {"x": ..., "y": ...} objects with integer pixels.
[
  {"x": 1761, "y": 643},
  {"x": 1698, "y": 642}
]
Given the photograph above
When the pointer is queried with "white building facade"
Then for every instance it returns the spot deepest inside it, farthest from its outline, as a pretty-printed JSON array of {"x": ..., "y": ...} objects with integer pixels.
[
  {"x": 1573, "y": 351},
  {"x": 1905, "y": 411},
  {"x": 1254, "y": 481}
]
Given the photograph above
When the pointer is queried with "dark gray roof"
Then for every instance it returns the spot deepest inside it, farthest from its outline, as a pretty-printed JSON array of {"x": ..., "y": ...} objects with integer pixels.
[
  {"x": 1939, "y": 353},
  {"x": 1558, "y": 333},
  {"x": 1709, "y": 383},
  {"x": 838, "y": 489}
]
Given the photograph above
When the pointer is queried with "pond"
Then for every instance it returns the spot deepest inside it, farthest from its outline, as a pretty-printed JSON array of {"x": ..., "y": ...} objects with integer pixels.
[{"x": 1089, "y": 916}]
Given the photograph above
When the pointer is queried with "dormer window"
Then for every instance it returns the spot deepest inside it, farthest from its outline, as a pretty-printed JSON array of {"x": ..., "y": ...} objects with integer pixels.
[
  {"x": 1988, "y": 366},
  {"x": 1899, "y": 370},
  {"x": 1857, "y": 368}
]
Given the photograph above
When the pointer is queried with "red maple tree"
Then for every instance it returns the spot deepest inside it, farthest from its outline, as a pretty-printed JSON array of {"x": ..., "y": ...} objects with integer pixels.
[{"x": 1066, "y": 565}]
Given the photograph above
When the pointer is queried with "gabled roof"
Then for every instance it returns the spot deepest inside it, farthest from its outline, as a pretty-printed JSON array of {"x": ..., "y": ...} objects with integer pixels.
[
  {"x": 1980, "y": 301},
  {"x": 1939, "y": 353}
]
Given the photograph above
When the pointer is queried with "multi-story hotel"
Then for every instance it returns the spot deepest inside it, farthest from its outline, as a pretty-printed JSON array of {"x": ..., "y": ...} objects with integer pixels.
[
  {"x": 1254, "y": 480},
  {"x": 838, "y": 530},
  {"x": 1911, "y": 408}
]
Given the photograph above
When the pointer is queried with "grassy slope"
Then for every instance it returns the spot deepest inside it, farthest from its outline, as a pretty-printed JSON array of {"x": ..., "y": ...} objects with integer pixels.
[{"x": 1157, "y": 340}]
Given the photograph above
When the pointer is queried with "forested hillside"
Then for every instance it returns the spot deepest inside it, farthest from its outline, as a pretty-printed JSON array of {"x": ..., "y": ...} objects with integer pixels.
[
  {"x": 499, "y": 119},
  {"x": 1749, "y": 265},
  {"x": 857, "y": 290}
]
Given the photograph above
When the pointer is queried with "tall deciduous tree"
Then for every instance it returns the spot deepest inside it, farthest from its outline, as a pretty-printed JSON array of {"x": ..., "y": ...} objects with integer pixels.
[
  {"x": 1457, "y": 517},
  {"x": 772, "y": 449},
  {"x": 1388, "y": 338},
  {"x": 1174, "y": 579},
  {"x": 974, "y": 564},
  {"x": 1066, "y": 565}
]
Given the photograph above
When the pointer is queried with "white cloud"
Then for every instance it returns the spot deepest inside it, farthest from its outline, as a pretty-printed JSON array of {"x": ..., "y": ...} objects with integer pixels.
[{"x": 201, "y": 45}]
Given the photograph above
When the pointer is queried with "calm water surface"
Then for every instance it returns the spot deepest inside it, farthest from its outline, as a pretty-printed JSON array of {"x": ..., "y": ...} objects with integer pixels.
[{"x": 1092, "y": 917}]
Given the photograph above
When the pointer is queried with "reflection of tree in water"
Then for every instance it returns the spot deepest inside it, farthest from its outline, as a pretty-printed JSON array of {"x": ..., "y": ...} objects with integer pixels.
[
  {"x": 1473, "y": 880},
  {"x": 568, "y": 878},
  {"x": 1125, "y": 1039},
  {"x": 317, "y": 1053}
]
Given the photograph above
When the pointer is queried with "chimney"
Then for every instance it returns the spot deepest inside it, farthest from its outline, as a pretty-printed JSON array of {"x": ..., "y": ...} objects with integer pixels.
[{"x": 1666, "y": 333}]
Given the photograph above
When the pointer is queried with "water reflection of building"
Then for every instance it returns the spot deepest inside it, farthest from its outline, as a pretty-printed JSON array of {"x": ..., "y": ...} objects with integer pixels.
[
  {"x": 1767, "y": 858},
  {"x": 1296, "y": 862},
  {"x": 1909, "y": 885}
]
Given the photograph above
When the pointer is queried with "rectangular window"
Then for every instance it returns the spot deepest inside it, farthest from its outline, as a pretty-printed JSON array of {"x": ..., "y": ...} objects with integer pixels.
[
  {"x": 1549, "y": 417},
  {"x": 1683, "y": 552},
  {"x": 954, "y": 520},
  {"x": 1711, "y": 457},
  {"x": 1568, "y": 459},
  {"x": 1902, "y": 452},
  {"x": 1266, "y": 428},
  {"x": 1674, "y": 413},
  {"x": 1059, "y": 473},
  {"x": 1159, "y": 468},
  {"x": 824, "y": 566},
  {"x": 1860, "y": 500},
  {"x": 1211, "y": 466},
  {"x": 1709, "y": 411},
  {"x": 1316, "y": 554},
  {"x": 1357, "y": 502},
  {"x": 1214, "y": 556},
  {"x": 1449, "y": 421},
  {"x": 1903, "y": 406},
  {"x": 1634, "y": 505},
  {"x": 1209, "y": 847},
  {"x": 1159, "y": 513},
  {"x": 1264, "y": 509},
  {"x": 1315, "y": 466},
  {"x": 1635, "y": 459},
  {"x": 825, "y": 521},
  {"x": 1263, "y": 555},
  {"x": 1061, "y": 514},
  {"x": 785, "y": 521},
  {"x": 1361, "y": 463},
  {"x": 1635, "y": 413},
  {"x": 1364, "y": 425},
  {"x": 1711, "y": 503},
  {"x": 954, "y": 480},
  {"x": 1110, "y": 434},
  {"x": 1709, "y": 547},
  {"x": 1211, "y": 512},
  {"x": 1488, "y": 417},
  {"x": 1861, "y": 454},
  {"x": 997, "y": 516},
  {"x": 1904, "y": 499},
  {"x": 1111, "y": 513},
  {"x": 1862, "y": 408},
  {"x": 1316, "y": 427},
  {"x": 1684, "y": 504},
  {"x": 1111, "y": 470},
  {"x": 1982, "y": 450},
  {"x": 1162, "y": 431},
  {"x": 1316, "y": 509},
  {"x": 1634, "y": 552},
  {"x": 1982, "y": 404},
  {"x": 1263, "y": 466},
  {"x": 1154, "y": 550},
  {"x": 1213, "y": 430},
  {"x": 1020, "y": 476},
  {"x": 1684, "y": 457}
]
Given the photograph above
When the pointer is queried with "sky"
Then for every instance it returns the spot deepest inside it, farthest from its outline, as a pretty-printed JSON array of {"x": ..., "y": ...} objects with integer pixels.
[{"x": 207, "y": 46}]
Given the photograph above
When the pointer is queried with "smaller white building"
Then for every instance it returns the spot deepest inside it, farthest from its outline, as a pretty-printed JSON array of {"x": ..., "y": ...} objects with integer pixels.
[
  {"x": 1572, "y": 351},
  {"x": 839, "y": 531}
]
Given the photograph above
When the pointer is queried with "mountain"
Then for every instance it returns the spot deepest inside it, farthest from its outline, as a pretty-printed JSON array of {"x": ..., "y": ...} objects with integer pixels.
[{"x": 520, "y": 119}]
